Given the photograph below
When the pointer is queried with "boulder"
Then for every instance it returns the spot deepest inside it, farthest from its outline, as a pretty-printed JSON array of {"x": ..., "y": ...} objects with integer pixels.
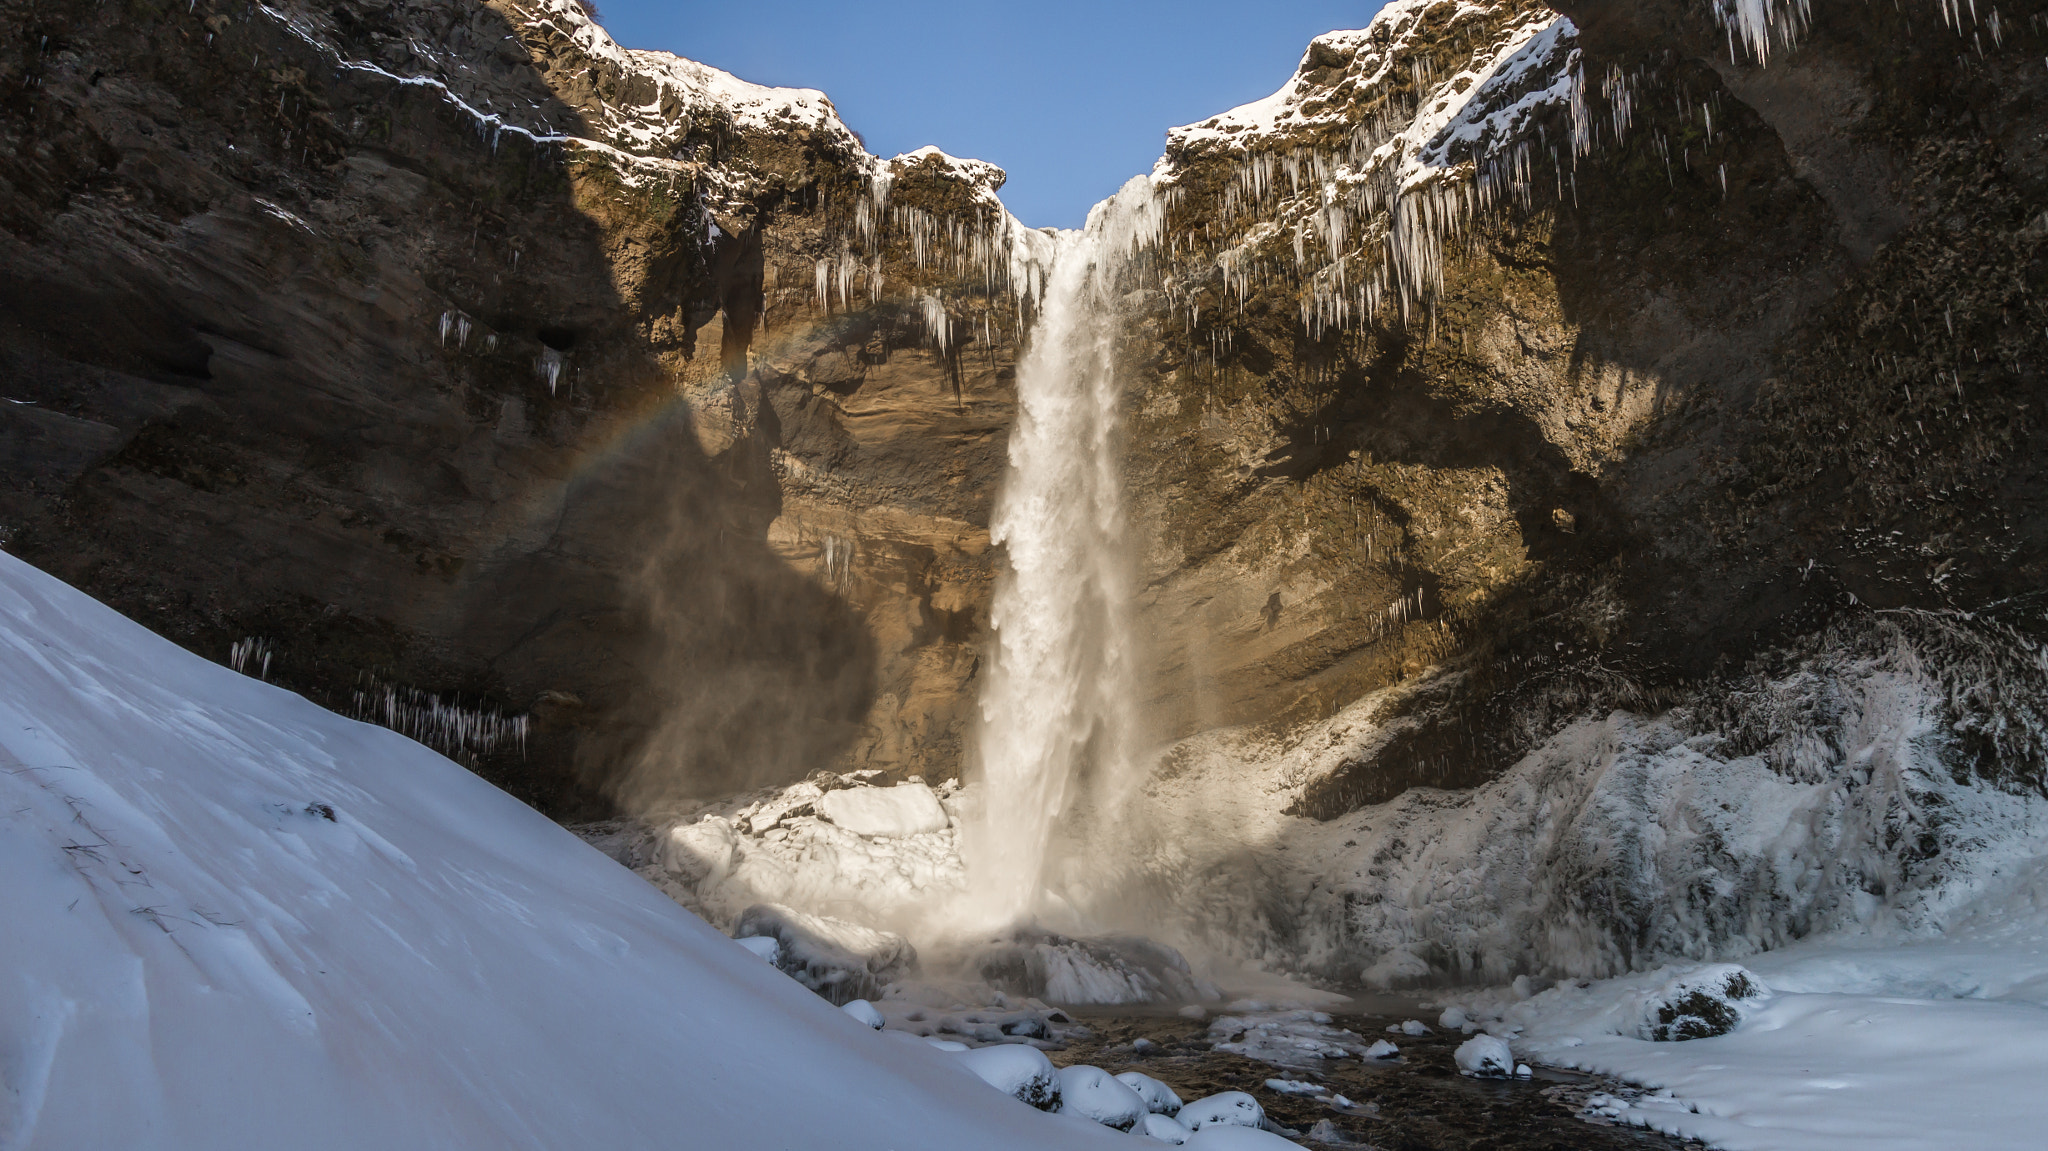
[
  {"x": 1159, "y": 1098},
  {"x": 864, "y": 1011},
  {"x": 1093, "y": 1093},
  {"x": 1485, "y": 1056},
  {"x": 1229, "y": 1137},
  {"x": 1223, "y": 1109},
  {"x": 837, "y": 959},
  {"x": 1700, "y": 1003},
  {"x": 1015, "y": 1069},
  {"x": 1164, "y": 1128}
]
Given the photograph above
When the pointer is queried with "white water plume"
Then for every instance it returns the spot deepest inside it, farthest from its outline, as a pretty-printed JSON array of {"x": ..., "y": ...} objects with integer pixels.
[{"x": 1058, "y": 707}]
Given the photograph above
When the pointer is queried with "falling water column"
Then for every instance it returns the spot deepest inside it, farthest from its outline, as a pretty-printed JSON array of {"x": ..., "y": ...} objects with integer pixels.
[{"x": 1058, "y": 705}]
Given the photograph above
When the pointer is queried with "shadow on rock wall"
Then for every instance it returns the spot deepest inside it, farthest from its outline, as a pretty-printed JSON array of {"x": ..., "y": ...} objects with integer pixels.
[{"x": 300, "y": 352}]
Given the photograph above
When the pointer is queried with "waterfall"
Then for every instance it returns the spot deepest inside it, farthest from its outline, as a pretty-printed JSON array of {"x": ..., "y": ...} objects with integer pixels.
[{"x": 1058, "y": 704}]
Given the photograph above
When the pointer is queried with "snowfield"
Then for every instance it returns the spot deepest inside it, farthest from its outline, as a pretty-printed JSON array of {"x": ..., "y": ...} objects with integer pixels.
[
  {"x": 235, "y": 919},
  {"x": 1862, "y": 1043}
]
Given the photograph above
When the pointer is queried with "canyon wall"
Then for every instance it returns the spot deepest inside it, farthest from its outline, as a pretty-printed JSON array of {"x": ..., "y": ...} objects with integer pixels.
[
  {"x": 484, "y": 375},
  {"x": 1525, "y": 363}
]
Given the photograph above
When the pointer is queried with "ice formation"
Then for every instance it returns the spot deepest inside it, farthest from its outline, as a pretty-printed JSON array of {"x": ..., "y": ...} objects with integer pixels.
[{"x": 461, "y": 733}]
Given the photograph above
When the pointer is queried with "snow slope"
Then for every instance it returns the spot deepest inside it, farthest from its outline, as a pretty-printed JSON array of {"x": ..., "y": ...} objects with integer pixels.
[
  {"x": 234, "y": 919},
  {"x": 1866, "y": 1044}
]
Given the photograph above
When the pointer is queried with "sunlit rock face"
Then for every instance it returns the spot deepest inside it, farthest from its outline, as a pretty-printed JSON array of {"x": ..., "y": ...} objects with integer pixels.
[{"x": 1532, "y": 420}]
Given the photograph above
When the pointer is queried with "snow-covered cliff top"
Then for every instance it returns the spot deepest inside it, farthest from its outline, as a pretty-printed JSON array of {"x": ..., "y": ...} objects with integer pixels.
[{"x": 1521, "y": 58}]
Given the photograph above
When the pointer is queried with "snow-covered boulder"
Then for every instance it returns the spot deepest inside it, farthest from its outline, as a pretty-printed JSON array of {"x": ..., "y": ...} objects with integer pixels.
[
  {"x": 1381, "y": 1049},
  {"x": 1486, "y": 1056},
  {"x": 764, "y": 946},
  {"x": 907, "y": 809},
  {"x": 1164, "y": 1128},
  {"x": 1227, "y": 1137},
  {"x": 1700, "y": 1003},
  {"x": 1414, "y": 1027},
  {"x": 864, "y": 1011},
  {"x": 700, "y": 852},
  {"x": 1453, "y": 1018},
  {"x": 1159, "y": 1098},
  {"x": 1093, "y": 1093},
  {"x": 837, "y": 959},
  {"x": 1223, "y": 1109},
  {"x": 1016, "y": 1070}
]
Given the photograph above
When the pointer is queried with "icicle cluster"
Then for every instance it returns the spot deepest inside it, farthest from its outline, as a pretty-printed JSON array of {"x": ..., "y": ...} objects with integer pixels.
[
  {"x": 975, "y": 253},
  {"x": 253, "y": 652},
  {"x": 1363, "y": 224},
  {"x": 460, "y": 733}
]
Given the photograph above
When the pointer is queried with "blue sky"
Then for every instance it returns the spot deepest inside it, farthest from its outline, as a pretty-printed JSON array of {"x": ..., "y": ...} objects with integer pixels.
[{"x": 1070, "y": 97}]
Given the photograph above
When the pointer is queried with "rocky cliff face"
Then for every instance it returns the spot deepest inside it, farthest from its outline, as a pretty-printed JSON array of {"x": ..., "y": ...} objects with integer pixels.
[
  {"x": 484, "y": 370},
  {"x": 1531, "y": 361},
  {"x": 1582, "y": 358}
]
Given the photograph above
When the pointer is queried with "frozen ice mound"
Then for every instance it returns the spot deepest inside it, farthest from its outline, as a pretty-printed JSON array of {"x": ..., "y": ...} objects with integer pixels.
[
  {"x": 1164, "y": 1128},
  {"x": 1298, "y": 1040},
  {"x": 1223, "y": 1109},
  {"x": 702, "y": 852},
  {"x": 1159, "y": 1099},
  {"x": 906, "y": 809},
  {"x": 839, "y": 960},
  {"x": 1486, "y": 1056},
  {"x": 1110, "y": 969},
  {"x": 1093, "y": 1093},
  {"x": 1700, "y": 1003},
  {"x": 1018, "y": 1070}
]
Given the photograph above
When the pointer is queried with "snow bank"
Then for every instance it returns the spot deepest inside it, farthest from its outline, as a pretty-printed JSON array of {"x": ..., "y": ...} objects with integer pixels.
[
  {"x": 1860, "y": 1043},
  {"x": 235, "y": 919}
]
